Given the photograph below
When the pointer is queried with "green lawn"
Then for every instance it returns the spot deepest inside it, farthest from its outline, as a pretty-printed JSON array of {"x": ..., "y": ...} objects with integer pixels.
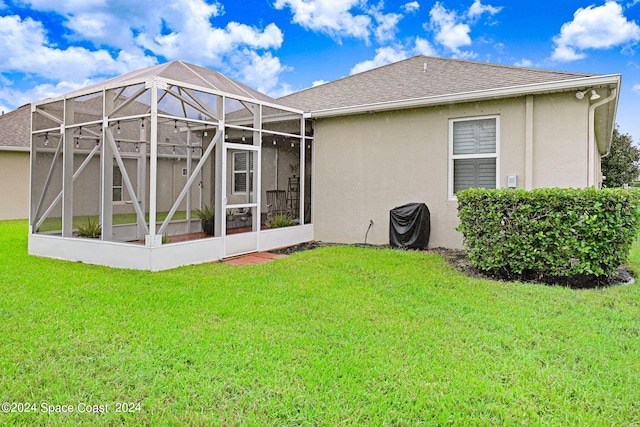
[
  {"x": 55, "y": 223},
  {"x": 333, "y": 336}
]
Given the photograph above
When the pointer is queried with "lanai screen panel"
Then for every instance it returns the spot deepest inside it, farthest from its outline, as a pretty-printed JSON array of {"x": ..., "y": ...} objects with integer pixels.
[
  {"x": 46, "y": 182},
  {"x": 46, "y": 168},
  {"x": 95, "y": 158}
]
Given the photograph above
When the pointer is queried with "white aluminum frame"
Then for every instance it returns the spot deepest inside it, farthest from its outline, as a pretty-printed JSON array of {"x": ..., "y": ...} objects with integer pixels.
[{"x": 155, "y": 255}]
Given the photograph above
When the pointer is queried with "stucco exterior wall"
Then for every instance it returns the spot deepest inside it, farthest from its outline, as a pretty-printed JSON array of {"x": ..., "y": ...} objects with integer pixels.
[
  {"x": 367, "y": 164},
  {"x": 560, "y": 141},
  {"x": 14, "y": 184}
]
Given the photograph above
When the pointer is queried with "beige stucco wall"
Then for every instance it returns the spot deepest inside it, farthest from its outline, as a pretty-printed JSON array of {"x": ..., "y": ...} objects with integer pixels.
[
  {"x": 366, "y": 165},
  {"x": 560, "y": 141},
  {"x": 14, "y": 184}
]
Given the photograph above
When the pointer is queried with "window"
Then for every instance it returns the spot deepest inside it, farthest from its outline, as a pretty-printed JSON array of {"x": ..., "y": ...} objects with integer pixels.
[
  {"x": 117, "y": 184},
  {"x": 473, "y": 152},
  {"x": 240, "y": 171}
]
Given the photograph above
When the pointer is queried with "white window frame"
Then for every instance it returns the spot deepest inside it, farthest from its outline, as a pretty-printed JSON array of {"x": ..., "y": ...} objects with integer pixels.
[
  {"x": 234, "y": 172},
  {"x": 453, "y": 157}
]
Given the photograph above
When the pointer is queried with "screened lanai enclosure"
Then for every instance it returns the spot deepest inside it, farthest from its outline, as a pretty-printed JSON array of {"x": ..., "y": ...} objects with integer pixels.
[{"x": 123, "y": 172}]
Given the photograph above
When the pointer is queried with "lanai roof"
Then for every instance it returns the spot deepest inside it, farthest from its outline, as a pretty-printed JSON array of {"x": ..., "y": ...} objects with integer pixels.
[
  {"x": 422, "y": 77},
  {"x": 186, "y": 73}
]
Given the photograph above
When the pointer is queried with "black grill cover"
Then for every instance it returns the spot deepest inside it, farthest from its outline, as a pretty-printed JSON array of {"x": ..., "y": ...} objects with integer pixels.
[{"x": 410, "y": 226}]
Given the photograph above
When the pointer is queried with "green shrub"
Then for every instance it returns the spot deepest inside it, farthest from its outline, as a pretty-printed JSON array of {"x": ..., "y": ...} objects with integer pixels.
[
  {"x": 207, "y": 213},
  {"x": 548, "y": 232},
  {"x": 91, "y": 228},
  {"x": 280, "y": 220}
]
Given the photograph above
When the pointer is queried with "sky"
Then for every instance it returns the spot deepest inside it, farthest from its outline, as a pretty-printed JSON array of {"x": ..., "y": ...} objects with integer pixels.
[{"x": 48, "y": 48}]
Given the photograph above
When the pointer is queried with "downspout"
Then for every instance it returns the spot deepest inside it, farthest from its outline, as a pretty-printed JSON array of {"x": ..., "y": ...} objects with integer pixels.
[{"x": 591, "y": 181}]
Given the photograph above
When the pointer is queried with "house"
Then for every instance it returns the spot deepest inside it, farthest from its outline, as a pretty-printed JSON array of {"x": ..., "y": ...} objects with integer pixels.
[
  {"x": 142, "y": 152},
  {"x": 14, "y": 163},
  {"x": 421, "y": 129}
]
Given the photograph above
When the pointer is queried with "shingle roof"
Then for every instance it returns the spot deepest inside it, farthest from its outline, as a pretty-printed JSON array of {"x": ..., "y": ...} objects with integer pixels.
[
  {"x": 15, "y": 128},
  {"x": 408, "y": 79}
]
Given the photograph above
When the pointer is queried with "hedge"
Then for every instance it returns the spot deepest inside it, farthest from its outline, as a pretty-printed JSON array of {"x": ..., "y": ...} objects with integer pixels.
[{"x": 549, "y": 232}]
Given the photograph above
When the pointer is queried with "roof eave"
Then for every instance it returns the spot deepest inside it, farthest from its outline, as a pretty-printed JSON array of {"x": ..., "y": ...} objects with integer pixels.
[
  {"x": 481, "y": 95},
  {"x": 16, "y": 149}
]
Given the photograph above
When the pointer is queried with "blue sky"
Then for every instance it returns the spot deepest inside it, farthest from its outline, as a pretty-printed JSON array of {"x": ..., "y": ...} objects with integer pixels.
[{"x": 48, "y": 48}]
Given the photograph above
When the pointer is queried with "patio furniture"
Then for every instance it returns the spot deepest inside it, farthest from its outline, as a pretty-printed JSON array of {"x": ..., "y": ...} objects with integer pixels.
[
  {"x": 293, "y": 196},
  {"x": 276, "y": 202}
]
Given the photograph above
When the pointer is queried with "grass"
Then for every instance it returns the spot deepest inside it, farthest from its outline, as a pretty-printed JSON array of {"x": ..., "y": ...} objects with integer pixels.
[
  {"x": 55, "y": 223},
  {"x": 333, "y": 336}
]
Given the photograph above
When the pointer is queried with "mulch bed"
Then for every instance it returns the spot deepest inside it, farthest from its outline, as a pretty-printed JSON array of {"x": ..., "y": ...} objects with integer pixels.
[{"x": 456, "y": 258}]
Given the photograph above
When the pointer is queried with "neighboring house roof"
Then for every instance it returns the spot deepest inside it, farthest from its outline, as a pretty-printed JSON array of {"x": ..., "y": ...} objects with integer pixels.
[
  {"x": 185, "y": 73},
  {"x": 15, "y": 129},
  {"x": 427, "y": 80}
]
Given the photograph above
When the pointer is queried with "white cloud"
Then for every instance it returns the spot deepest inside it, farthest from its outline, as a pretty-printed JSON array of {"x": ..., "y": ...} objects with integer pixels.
[
  {"x": 345, "y": 18},
  {"x": 465, "y": 54},
  {"x": 384, "y": 56},
  {"x": 318, "y": 83},
  {"x": 389, "y": 54},
  {"x": 524, "y": 63},
  {"x": 387, "y": 26},
  {"x": 478, "y": 9},
  {"x": 261, "y": 72},
  {"x": 211, "y": 46},
  {"x": 331, "y": 17},
  {"x": 450, "y": 32},
  {"x": 423, "y": 47},
  {"x": 179, "y": 29},
  {"x": 600, "y": 27},
  {"x": 17, "y": 97},
  {"x": 410, "y": 7},
  {"x": 452, "y": 28},
  {"x": 26, "y": 49},
  {"x": 636, "y": 88}
]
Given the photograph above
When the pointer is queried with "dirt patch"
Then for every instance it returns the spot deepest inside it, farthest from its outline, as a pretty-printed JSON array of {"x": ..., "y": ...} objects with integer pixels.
[
  {"x": 301, "y": 247},
  {"x": 457, "y": 259}
]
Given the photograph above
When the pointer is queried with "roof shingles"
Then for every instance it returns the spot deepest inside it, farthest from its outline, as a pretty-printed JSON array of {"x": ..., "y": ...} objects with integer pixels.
[
  {"x": 15, "y": 129},
  {"x": 409, "y": 79}
]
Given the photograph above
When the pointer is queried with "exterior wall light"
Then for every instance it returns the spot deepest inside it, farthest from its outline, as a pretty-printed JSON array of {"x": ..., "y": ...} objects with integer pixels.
[{"x": 594, "y": 95}]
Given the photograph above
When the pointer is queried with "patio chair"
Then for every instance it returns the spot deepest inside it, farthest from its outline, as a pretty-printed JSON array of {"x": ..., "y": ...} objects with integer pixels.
[{"x": 276, "y": 202}]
